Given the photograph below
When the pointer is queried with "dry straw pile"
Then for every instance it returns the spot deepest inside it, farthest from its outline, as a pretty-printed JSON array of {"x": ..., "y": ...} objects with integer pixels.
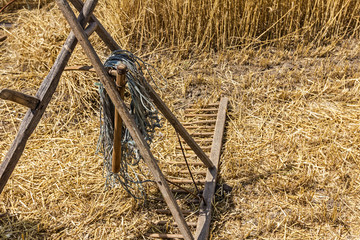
[{"x": 290, "y": 69}]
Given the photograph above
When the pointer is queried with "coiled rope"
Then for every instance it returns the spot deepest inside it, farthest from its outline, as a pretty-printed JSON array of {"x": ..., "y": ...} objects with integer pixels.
[{"x": 132, "y": 174}]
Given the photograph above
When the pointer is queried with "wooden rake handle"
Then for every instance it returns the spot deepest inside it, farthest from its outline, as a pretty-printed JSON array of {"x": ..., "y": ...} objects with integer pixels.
[{"x": 116, "y": 156}]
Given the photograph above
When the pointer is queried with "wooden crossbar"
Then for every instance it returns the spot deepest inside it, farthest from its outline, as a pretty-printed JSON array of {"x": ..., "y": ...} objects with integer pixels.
[{"x": 21, "y": 98}]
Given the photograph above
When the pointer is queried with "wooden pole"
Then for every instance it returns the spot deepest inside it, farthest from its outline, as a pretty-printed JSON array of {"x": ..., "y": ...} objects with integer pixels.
[
  {"x": 116, "y": 156},
  {"x": 126, "y": 117},
  {"x": 44, "y": 94},
  {"x": 21, "y": 98}
]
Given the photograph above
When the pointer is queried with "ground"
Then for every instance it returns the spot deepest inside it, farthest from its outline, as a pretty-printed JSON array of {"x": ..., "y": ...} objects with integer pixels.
[{"x": 291, "y": 150}]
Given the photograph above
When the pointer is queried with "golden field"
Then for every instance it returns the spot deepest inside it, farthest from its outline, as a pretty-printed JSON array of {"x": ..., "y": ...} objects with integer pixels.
[{"x": 291, "y": 151}]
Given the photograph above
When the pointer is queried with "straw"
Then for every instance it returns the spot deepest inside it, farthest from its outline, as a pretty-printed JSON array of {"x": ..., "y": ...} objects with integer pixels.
[{"x": 291, "y": 152}]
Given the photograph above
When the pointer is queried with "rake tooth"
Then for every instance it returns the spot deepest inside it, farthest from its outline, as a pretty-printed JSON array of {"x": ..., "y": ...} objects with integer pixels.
[
  {"x": 201, "y": 109},
  {"x": 183, "y": 163},
  {"x": 199, "y": 172},
  {"x": 159, "y": 199},
  {"x": 166, "y": 211},
  {"x": 201, "y": 115},
  {"x": 196, "y": 172},
  {"x": 207, "y": 105},
  {"x": 190, "y": 224},
  {"x": 207, "y": 148},
  {"x": 199, "y": 140},
  {"x": 200, "y": 122},
  {"x": 164, "y": 235},
  {"x": 206, "y": 134},
  {"x": 203, "y": 140},
  {"x": 187, "y": 181},
  {"x": 186, "y": 155},
  {"x": 201, "y": 127},
  {"x": 179, "y": 191}
]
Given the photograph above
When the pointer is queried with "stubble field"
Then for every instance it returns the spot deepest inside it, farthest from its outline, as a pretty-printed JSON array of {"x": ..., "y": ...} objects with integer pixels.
[{"x": 291, "y": 150}]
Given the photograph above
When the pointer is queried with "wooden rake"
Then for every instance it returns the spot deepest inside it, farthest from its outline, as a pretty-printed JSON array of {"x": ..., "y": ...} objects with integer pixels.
[
  {"x": 211, "y": 120},
  {"x": 82, "y": 27}
]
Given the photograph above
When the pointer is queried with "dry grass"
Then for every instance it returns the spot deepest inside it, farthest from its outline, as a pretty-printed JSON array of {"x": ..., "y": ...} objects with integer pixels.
[
  {"x": 222, "y": 24},
  {"x": 291, "y": 151}
]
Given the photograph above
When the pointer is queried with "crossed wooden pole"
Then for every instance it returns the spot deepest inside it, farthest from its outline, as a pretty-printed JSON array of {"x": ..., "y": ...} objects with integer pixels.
[{"x": 82, "y": 27}]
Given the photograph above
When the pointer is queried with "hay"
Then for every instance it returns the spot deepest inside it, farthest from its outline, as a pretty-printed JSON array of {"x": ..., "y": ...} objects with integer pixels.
[
  {"x": 291, "y": 150},
  {"x": 12, "y": 6}
]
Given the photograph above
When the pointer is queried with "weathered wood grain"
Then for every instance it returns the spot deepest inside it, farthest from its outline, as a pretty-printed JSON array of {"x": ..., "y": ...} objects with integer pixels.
[
  {"x": 19, "y": 97},
  {"x": 116, "y": 155},
  {"x": 203, "y": 226}
]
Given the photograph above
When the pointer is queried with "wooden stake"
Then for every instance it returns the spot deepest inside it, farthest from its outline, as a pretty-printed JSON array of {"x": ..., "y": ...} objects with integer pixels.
[
  {"x": 116, "y": 156},
  {"x": 44, "y": 94},
  {"x": 126, "y": 117},
  {"x": 21, "y": 98}
]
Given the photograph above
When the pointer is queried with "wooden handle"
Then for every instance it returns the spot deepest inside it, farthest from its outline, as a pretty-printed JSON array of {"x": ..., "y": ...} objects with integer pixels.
[
  {"x": 116, "y": 156},
  {"x": 21, "y": 98}
]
